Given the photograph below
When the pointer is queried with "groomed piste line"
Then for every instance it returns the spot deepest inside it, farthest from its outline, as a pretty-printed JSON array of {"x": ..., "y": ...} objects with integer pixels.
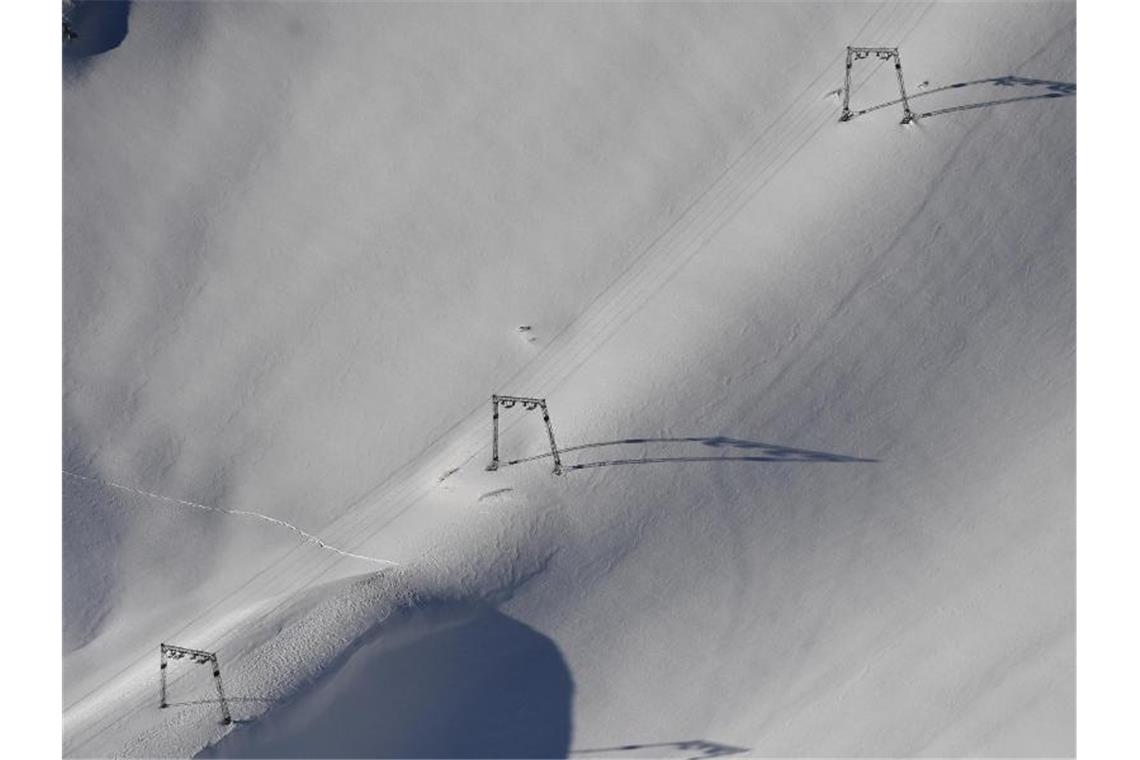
[{"x": 306, "y": 536}]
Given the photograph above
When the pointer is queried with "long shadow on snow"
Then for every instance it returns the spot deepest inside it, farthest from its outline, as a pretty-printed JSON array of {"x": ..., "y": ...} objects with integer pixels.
[
  {"x": 766, "y": 452},
  {"x": 1054, "y": 90},
  {"x": 449, "y": 679},
  {"x": 704, "y": 749}
]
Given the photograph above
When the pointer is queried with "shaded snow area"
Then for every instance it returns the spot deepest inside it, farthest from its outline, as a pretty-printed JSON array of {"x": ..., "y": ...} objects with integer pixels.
[
  {"x": 92, "y": 27},
  {"x": 812, "y": 382}
]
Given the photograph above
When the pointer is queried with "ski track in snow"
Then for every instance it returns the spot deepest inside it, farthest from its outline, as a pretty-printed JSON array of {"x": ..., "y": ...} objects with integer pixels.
[{"x": 308, "y": 537}]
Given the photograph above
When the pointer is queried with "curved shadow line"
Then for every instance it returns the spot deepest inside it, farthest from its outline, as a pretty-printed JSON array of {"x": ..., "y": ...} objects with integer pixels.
[
  {"x": 776, "y": 453},
  {"x": 707, "y": 749},
  {"x": 920, "y": 94},
  {"x": 1060, "y": 89},
  {"x": 620, "y": 442},
  {"x": 657, "y": 460},
  {"x": 986, "y": 104}
]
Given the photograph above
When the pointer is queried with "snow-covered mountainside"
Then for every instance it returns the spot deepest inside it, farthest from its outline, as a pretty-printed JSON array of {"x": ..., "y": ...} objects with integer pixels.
[{"x": 811, "y": 382}]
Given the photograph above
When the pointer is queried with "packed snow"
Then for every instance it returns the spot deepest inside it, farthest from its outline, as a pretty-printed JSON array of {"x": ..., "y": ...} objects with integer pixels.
[{"x": 812, "y": 383}]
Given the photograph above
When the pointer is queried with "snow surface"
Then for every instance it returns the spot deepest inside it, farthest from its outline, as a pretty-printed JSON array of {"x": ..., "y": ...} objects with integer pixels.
[{"x": 813, "y": 382}]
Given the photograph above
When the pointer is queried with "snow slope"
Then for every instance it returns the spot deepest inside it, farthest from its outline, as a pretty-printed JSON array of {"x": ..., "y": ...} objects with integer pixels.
[{"x": 299, "y": 241}]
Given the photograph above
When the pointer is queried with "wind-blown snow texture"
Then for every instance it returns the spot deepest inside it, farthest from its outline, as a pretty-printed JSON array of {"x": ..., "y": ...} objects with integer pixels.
[{"x": 813, "y": 381}]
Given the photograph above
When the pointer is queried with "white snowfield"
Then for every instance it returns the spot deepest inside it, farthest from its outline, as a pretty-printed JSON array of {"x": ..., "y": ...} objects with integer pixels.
[{"x": 812, "y": 383}]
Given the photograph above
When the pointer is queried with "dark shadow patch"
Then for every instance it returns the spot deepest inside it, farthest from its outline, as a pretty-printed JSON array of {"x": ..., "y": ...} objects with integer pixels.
[
  {"x": 96, "y": 27},
  {"x": 458, "y": 680}
]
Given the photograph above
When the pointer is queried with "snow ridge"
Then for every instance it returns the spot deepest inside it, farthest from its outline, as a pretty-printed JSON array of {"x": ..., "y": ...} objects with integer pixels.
[{"x": 309, "y": 537}]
